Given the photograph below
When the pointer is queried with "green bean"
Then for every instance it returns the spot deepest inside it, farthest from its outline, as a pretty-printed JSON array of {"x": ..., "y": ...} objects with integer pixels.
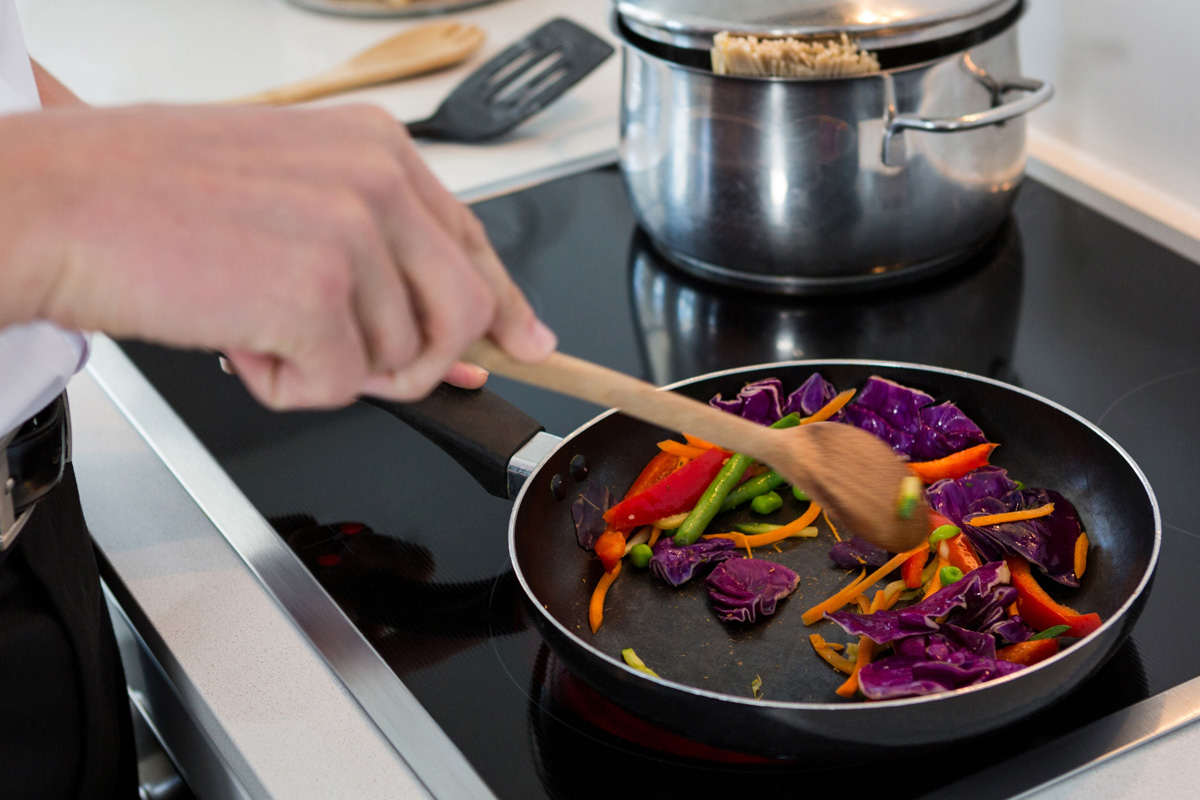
[
  {"x": 800, "y": 494},
  {"x": 766, "y": 503},
  {"x": 1050, "y": 633},
  {"x": 758, "y": 485},
  {"x": 710, "y": 502},
  {"x": 755, "y": 528},
  {"x": 639, "y": 555}
]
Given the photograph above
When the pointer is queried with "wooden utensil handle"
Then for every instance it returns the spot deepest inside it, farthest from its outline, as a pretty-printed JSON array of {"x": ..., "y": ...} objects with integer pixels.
[{"x": 594, "y": 383}]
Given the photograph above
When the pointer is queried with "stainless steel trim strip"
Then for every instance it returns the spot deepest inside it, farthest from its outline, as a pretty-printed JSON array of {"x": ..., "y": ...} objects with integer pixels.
[
  {"x": 1082, "y": 749},
  {"x": 421, "y": 743},
  {"x": 525, "y": 461}
]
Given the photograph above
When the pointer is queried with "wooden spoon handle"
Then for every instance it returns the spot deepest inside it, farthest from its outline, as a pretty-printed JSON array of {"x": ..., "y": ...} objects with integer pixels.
[
  {"x": 412, "y": 52},
  {"x": 587, "y": 381}
]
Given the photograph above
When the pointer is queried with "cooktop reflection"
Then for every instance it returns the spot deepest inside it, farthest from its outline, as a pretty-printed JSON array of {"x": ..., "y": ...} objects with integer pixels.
[{"x": 1062, "y": 302}]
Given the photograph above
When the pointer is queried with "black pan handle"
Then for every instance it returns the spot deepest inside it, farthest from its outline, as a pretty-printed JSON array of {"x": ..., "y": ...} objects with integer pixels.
[{"x": 477, "y": 428}]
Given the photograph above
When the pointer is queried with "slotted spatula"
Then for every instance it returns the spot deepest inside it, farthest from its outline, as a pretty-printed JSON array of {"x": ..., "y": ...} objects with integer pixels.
[{"x": 516, "y": 84}]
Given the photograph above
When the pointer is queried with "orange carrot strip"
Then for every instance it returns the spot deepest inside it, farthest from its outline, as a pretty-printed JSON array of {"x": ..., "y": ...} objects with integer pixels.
[
  {"x": 1081, "y": 553},
  {"x": 825, "y": 651},
  {"x": 866, "y": 650},
  {"x": 655, "y": 532},
  {"x": 696, "y": 441},
  {"x": 596, "y": 606},
  {"x": 778, "y": 535},
  {"x": 844, "y": 596},
  {"x": 680, "y": 449},
  {"x": 864, "y": 604},
  {"x": 829, "y": 409},
  {"x": 829, "y": 522},
  {"x": 935, "y": 583},
  {"x": 1012, "y": 516}
]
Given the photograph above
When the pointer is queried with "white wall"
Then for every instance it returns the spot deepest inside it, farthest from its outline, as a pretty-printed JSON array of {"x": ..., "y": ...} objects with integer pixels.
[{"x": 1125, "y": 119}]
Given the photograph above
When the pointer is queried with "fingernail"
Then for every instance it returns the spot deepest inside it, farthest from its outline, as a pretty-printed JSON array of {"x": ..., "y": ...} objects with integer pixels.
[
  {"x": 227, "y": 366},
  {"x": 543, "y": 337}
]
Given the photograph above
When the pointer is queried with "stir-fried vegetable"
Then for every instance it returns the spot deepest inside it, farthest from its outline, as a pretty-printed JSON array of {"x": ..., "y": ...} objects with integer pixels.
[{"x": 961, "y": 608}]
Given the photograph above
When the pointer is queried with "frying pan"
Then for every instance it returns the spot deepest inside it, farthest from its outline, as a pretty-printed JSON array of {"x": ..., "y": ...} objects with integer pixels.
[{"x": 706, "y": 667}]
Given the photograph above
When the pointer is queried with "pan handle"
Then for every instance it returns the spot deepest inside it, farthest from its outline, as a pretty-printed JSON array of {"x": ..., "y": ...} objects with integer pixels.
[{"x": 477, "y": 428}]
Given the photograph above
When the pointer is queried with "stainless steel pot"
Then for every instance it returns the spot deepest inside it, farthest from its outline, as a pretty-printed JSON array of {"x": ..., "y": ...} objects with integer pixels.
[{"x": 820, "y": 185}]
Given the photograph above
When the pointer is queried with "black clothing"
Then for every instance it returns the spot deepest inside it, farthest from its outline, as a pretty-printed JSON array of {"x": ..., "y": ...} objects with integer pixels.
[{"x": 65, "y": 725}]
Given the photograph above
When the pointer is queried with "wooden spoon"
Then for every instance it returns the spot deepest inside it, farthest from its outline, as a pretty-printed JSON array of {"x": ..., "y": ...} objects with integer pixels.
[
  {"x": 416, "y": 50},
  {"x": 853, "y": 474}
]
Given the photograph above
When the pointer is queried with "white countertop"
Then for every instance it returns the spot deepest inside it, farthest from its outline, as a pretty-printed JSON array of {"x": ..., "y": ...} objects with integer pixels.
[
  {"x": 282, "y": 720},
  {"x": 113, "y": 52}
]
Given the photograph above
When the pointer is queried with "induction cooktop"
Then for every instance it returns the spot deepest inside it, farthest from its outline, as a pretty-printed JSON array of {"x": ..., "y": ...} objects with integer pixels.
[{"x": 1063, "y": 302}]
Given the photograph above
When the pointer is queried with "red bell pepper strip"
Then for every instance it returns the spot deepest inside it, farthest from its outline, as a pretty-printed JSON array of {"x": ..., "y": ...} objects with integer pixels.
[
  {"x": 610, "y": 548},
  {"x": 961, "y": 554},
  {"x": 912, "y": 569},
  {"x": 674, "y": 494},
  {"x": 1040, "y": 610},
  {"x": 1028, "y": 653},
  {"x": 955, "y": 465}
]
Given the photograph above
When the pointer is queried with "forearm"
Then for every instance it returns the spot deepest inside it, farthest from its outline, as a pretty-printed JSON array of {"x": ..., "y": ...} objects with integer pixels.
[{"x": 51, "y": 89}]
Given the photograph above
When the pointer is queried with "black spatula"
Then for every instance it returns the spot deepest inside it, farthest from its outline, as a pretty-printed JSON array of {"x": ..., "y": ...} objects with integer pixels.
[{"x": 516, "y": 84}]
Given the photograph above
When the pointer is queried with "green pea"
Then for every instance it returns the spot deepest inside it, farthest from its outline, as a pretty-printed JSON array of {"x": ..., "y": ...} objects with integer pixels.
[
  {"x": 943, "y": 532},
  {"x": 950, "y": 575},
  {"x": 766, "y": 503},
  {"x": 799, "y": 494},
  {"x": 639, "y": 555}
]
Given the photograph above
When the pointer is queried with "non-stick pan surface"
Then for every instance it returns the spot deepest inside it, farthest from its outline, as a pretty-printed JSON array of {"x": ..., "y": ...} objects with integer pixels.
[{"x": 707, "y": 667}]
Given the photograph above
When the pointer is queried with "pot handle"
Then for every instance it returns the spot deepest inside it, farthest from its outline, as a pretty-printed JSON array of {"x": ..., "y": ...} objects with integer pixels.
[
  {"x": 479, "y": 429},
  {"x": 1039, "y": 93}
]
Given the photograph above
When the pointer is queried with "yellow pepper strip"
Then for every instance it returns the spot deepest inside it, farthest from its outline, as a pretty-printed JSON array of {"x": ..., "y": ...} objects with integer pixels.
[{"x": 825, "y": 651}]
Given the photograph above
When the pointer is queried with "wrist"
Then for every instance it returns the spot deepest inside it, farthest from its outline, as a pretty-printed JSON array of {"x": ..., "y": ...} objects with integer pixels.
[{"x": 27, "y": 221}]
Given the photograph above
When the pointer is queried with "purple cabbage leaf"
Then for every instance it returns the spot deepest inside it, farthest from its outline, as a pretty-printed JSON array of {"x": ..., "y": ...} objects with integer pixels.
[
  {"x": 677, "y": 565},
  {"x": 971, "y": 596},
  {"x": 743, "y": 589},
  {"x": 811, "y": 397},
  {"x": 1048, "y": 542},
  {"x": 937, "y": 662},
  {"x": 760, "y": 401},
  {"x": 856, "y": 552},
  {"x": 588, "y": 513}
]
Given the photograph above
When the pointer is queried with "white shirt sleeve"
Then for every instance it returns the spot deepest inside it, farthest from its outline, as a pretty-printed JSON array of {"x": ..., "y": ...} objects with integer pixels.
[{"x": 36, "y": 359}]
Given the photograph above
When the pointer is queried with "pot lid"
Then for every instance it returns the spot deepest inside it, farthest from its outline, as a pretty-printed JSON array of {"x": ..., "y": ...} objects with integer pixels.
[{"x": 876, "y": 24}]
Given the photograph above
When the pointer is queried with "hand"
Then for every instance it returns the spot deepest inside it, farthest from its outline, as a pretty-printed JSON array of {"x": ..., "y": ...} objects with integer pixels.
[{"x": 312, "y": 246}]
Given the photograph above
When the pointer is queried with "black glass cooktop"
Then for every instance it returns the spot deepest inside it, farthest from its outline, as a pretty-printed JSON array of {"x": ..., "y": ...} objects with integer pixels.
[{"x": 1063, "y": 302}]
